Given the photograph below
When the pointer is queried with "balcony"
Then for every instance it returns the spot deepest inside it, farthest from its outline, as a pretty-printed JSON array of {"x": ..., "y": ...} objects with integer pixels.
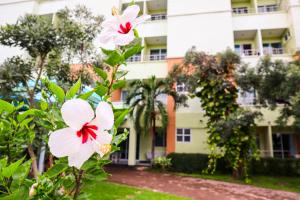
[{"x": 156, "y": 17}]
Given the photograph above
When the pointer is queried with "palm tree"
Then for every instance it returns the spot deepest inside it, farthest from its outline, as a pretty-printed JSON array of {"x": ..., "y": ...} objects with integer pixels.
[{"x": 146, "y": 106}]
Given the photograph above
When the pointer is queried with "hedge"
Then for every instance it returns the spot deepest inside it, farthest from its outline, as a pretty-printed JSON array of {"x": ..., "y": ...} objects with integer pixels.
[{"x": 195, "y": 163}]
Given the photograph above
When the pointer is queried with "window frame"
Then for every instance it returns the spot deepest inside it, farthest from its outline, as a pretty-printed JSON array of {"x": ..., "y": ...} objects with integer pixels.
[{"x": 183, "y": 135}]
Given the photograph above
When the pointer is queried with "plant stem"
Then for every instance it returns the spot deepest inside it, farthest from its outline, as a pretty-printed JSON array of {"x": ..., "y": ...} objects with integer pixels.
[
  {"x": 34, "y": 162},
  {"x": 77, "y": 182}
]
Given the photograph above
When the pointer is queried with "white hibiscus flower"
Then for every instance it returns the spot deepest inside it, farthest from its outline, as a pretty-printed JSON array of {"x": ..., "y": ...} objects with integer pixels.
[
  {"x": 119, "y": 28},
  {"x": 86, "y": 133}
]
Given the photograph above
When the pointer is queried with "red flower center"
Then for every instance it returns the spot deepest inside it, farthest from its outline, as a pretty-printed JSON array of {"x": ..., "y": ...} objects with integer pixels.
[
  {"x": 125, "y": 29},
  {"x": 86, "y": 131}
]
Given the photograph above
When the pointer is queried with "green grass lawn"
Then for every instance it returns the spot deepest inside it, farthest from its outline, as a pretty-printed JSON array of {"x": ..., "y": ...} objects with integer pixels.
[
  {"x": 291, "y": 184},
  {"x": 110, "y": 191}
]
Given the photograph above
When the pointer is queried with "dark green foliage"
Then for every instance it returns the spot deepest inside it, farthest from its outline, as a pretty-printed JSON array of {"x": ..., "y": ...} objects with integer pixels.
[
  {"x": 211, "y": 79},
  {"x": 275, "y": 82},
  {"x": 196, "y": 163}
]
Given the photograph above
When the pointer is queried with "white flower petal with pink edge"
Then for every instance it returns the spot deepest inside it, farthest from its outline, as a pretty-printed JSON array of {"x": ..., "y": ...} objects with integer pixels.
[
  {"x": 119, "y": 29},
  {"x": 85, "y": 152},
  {"x": 64, "y": 142},
  {"x": 76, "y": 113},
  {"x": 104, "y": 116}
]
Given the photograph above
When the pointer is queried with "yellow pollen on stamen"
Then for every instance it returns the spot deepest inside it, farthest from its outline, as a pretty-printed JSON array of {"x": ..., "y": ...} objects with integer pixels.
[
  {"x": 105, "y": 148},
  {"x": 114, "y": 11}
]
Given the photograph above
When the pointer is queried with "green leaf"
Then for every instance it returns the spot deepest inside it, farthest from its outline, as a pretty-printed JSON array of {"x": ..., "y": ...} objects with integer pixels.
[
  {"x": 57, "y": 91},
  {"x": 10, "y": 170},
  {"x": 121, "y": 118},
  {"x": 101, "y": 73},
  {"x": 133, "y": 51},
  {"x": 44, "y": 105},
  {"x": 107, "y": 51},
  {"x": 119, "y": 84},
  {"x": 5, "y": 106},
  {"x": 21, "y": 174},
  {"x": 114, "y": 59},
  {"x": 56, "y": 170},
  {"x": 101, "y": 90},
  {"x": 74, "y": 89},
  {"x": 34, "y": 112},
  {"x": 3, "y": 163},
  {"x": 86, "y": 95}
]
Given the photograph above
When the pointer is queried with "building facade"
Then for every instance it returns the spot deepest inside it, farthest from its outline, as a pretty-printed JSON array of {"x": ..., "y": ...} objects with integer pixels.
[{"x": 253, "y": 28}]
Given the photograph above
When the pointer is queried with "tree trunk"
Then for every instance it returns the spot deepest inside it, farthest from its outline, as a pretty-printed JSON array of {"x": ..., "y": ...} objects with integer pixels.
[
  {"x": 153, "y": 133},
  {"x": 34, "y": 161}
]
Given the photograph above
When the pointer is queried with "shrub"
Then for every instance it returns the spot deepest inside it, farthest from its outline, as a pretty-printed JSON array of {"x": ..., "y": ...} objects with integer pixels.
[
  {"x": 162, "y": 162},
  {"x": 196, "y": 163}
]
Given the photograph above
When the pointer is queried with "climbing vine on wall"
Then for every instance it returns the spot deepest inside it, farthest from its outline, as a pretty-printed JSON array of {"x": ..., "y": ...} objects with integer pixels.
[{"x": 229, "y": 127}]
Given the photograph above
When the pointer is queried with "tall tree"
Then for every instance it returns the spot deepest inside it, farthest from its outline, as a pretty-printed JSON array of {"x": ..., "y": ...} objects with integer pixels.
[{"x": 147, "y": 107}]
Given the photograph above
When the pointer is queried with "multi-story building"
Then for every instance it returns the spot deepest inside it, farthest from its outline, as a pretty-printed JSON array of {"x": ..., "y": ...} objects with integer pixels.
[{"x": 252, "y": 28}]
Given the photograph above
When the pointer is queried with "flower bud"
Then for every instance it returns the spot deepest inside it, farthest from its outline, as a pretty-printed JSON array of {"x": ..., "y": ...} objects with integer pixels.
[
  {"x": 105, "y": 148},
  {"x": 114, "y": 11},
  {"x": 32, "y": 191}
]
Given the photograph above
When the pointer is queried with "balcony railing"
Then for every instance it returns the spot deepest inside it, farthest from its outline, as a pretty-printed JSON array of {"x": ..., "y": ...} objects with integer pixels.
[
  {"x": 135, "y": 58},
  {"x": 274, "y": 51},
  {"x": 156, "y": 57},
  {"x": 260, "y": 9},
  {"x": 242, "y": 11},
  {"x": 268, "y": 8},
  {"x": 155, "y": 17},
  {"x": 248, "y": 52}
]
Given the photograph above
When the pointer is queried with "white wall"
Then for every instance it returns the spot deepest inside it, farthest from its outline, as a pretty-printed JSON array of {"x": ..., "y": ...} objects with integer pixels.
[{"x": 210, "y": 32}]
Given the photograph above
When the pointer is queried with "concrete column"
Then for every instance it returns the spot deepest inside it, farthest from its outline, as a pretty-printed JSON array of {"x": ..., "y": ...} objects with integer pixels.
[
  {"x": 260, "y": 43},
  {"x": 270, "y": 141},
  {"x": 255, "y": 5},
  {"x": 132, "y": 146}
]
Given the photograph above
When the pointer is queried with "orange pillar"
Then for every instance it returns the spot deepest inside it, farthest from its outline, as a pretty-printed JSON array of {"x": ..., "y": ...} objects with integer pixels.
[
  {"x": 116, "y": 96},
  {"x": 171, "y": 129}
]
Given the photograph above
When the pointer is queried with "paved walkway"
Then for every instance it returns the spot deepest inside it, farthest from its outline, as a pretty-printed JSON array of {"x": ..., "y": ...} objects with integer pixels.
[{"x": 194, "y": 188}]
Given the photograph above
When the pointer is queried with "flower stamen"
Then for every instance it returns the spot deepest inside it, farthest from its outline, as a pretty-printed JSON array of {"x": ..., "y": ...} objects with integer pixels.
[{"x": 86, "y": 131}]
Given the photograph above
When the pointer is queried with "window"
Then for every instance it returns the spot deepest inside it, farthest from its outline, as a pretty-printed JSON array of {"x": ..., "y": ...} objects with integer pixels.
[
  {"x": 183, "y": 135},
  {"x": 244, "y": 49},
  {"x": 158, "y": 54},
  {"x": 124, "y": 95},
  {"x": 181, "y": 87},
  {"x": 160, "y": 140},
  {"x": 240, "y": 10},
  {"x": 267, "y": 8}
]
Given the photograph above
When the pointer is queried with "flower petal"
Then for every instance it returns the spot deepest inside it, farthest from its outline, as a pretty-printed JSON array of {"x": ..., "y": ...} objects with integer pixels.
[
  {"x": 140, "y": 20},
  {"x": 84, "y": 152},
  {"x": 64, "y": 142},
  {"x": 124, "y": 39},
  {"x": 111, "y": 23},
  {"x": 106, "y": 36},
  {"x": 104, "y": 116},
  {"x": 104, "y": 138},
  {"x": 76, "y": 113},
  {"x": 130, "y": 13}
]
